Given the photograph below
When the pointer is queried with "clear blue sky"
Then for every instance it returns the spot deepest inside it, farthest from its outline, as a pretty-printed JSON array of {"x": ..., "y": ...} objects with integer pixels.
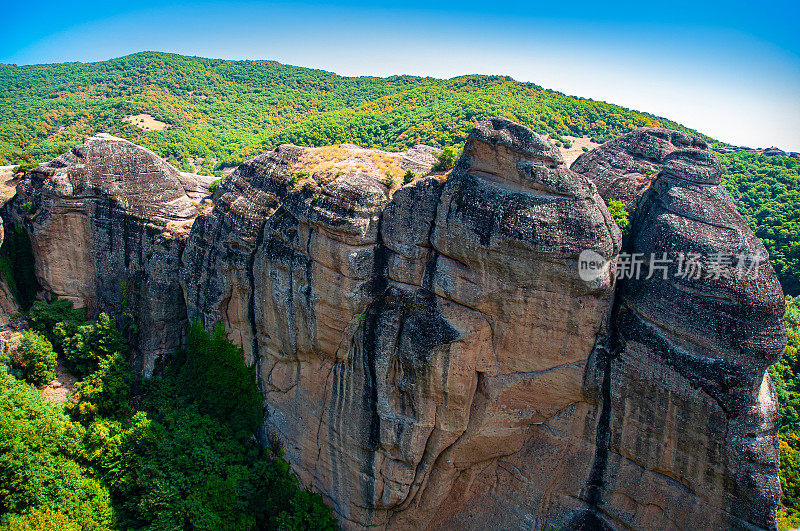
[{"x": 730, "y": 69}]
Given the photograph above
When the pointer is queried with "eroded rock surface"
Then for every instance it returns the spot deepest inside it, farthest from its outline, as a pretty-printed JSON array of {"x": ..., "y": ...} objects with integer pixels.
[
  {"x": 107, "y": 222},
  {"x": 693, "y": 418},
  {"x": 410, "y": 348},
  {"x": 623, "y": 168},
  {"x": 428, "y": 353}
]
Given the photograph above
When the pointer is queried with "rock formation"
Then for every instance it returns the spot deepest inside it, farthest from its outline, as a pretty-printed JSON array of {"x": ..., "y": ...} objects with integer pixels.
[
  {"x": 624, "y": 167},
  {"x": 429, "y": 354},
  {"x": 686, "y": 360},
  {"x": 108, "y": 221}
]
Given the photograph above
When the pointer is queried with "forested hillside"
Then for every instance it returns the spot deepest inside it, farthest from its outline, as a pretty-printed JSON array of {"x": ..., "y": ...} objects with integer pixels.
[
  {"x": 766, "y": 191},
  {"x": 230, "y": 110},
  {"x": 217, "y": 113}
]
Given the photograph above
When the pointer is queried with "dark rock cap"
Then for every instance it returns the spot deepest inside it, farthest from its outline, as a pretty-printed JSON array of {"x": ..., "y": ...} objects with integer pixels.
[{"x": 623, "y": 168}]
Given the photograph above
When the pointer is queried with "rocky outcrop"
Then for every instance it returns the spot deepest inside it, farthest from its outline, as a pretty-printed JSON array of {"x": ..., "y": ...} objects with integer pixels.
[
  {"x": 692, "y": 427},
  {"x": 623, "y": 168},
  {"x": 412, "y": 347},
  {"x": 431, "y": 355},
  {"x": 107, "y": 222}
]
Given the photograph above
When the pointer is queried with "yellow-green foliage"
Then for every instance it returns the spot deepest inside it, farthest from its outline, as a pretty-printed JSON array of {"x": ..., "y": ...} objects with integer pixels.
[
  {"x": 231, "y": 110},
  {"x": 620, "y": 214},
  {"x": 786, "y": 377},
  {"x": 43, "y": 474},
  {"x": 35, "y": 358}
]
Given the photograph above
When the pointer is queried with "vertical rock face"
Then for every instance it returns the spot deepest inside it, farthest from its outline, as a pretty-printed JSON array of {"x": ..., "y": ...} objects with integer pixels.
[
  {"x": 107, "y": 222},
  {"x": 413, "y": 349},
  {"x": 692, "y": 429},
  {"x": 429, "y": 355},
  {"x": 688, "y": 373}
]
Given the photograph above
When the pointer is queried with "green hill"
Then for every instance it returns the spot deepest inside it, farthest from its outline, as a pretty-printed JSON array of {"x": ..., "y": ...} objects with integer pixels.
[
  {"x": 230, "y": 110},
  {"x": 217, "y": 113}
]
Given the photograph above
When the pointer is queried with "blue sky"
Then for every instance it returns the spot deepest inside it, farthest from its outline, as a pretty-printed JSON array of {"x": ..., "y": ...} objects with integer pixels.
[{"x": 730, "y": 69}]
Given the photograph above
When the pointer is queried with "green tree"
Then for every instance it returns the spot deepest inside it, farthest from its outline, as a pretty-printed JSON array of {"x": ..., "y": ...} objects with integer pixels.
[
  {"x": 92, "y": 343},
  {"x": 41, "y": 470},
  {"x": 446, "y": 159},
  {"x": 106, "y": 392},
  {"x": 219, "y": 382},
  {"x": 35, "y": 358},
  {"x": 56, "y": 320}
]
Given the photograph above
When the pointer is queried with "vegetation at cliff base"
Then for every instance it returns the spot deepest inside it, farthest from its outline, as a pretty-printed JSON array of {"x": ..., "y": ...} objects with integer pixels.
[
  {"x": 174, "y": 451},
  {"x": 786, "y": 377},
  {"x": 34, "y": 358}
]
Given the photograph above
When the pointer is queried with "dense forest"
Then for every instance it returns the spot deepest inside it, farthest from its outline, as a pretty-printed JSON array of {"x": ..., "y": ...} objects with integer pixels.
[
  {"x": 786, "y": 376},
  {"x": 766, "y": 191},
  {"x": 171, "y": 452},
  {"x": 227, "y": 111}
]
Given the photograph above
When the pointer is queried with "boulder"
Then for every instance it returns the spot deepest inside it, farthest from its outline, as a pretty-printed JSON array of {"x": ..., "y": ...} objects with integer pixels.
[{"x": 623, "y": 168}]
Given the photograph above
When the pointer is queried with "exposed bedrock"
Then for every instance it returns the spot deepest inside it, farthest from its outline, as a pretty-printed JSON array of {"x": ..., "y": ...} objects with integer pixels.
[
  {"x": 428, "y": 353},
  {"x": 107, "y": 222},
  {"x": 417, "y": 350},
  {"x": 693, "y": 425},
  {"x": 623, "y": 168}
]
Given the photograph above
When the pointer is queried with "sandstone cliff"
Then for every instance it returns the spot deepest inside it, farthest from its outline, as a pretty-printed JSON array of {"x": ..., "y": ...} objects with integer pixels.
[
  {"x": 428, "y": 353},
  {"x": 684, "y": 366},
  {"x": 107, "y": 222}
]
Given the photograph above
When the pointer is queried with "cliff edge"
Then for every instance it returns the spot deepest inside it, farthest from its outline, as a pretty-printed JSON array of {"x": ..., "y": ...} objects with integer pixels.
[{"x": 432, "y": 354}]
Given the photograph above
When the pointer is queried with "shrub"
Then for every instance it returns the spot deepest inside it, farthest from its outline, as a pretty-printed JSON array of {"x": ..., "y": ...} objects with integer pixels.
[
  {"x": 390, "y": 180},
  {"x": 212, "y": 187},
  {"x": 620, "y": 214},
  {"x": 446, "y": 159},
  {"x": 297, "y": 177},
  {"x": 585, "y": 149},
  {"x": 56, "y": 320},
  {"x": 92, "y": 343},
  {"x": 106, "y": 392},
  {"x": 35, "y": 358},
  {"x": 409, "y": 176},
  {"x": 25, "y": 166},
  {"x": 40, "y": 520}
]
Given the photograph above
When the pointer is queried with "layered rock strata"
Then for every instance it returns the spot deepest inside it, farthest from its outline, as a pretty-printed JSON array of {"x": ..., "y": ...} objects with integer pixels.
[
  {"x": 107, "y": 222},
  {"x": 411, "y": 347},
  {"x": 693, "y": 416}
]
